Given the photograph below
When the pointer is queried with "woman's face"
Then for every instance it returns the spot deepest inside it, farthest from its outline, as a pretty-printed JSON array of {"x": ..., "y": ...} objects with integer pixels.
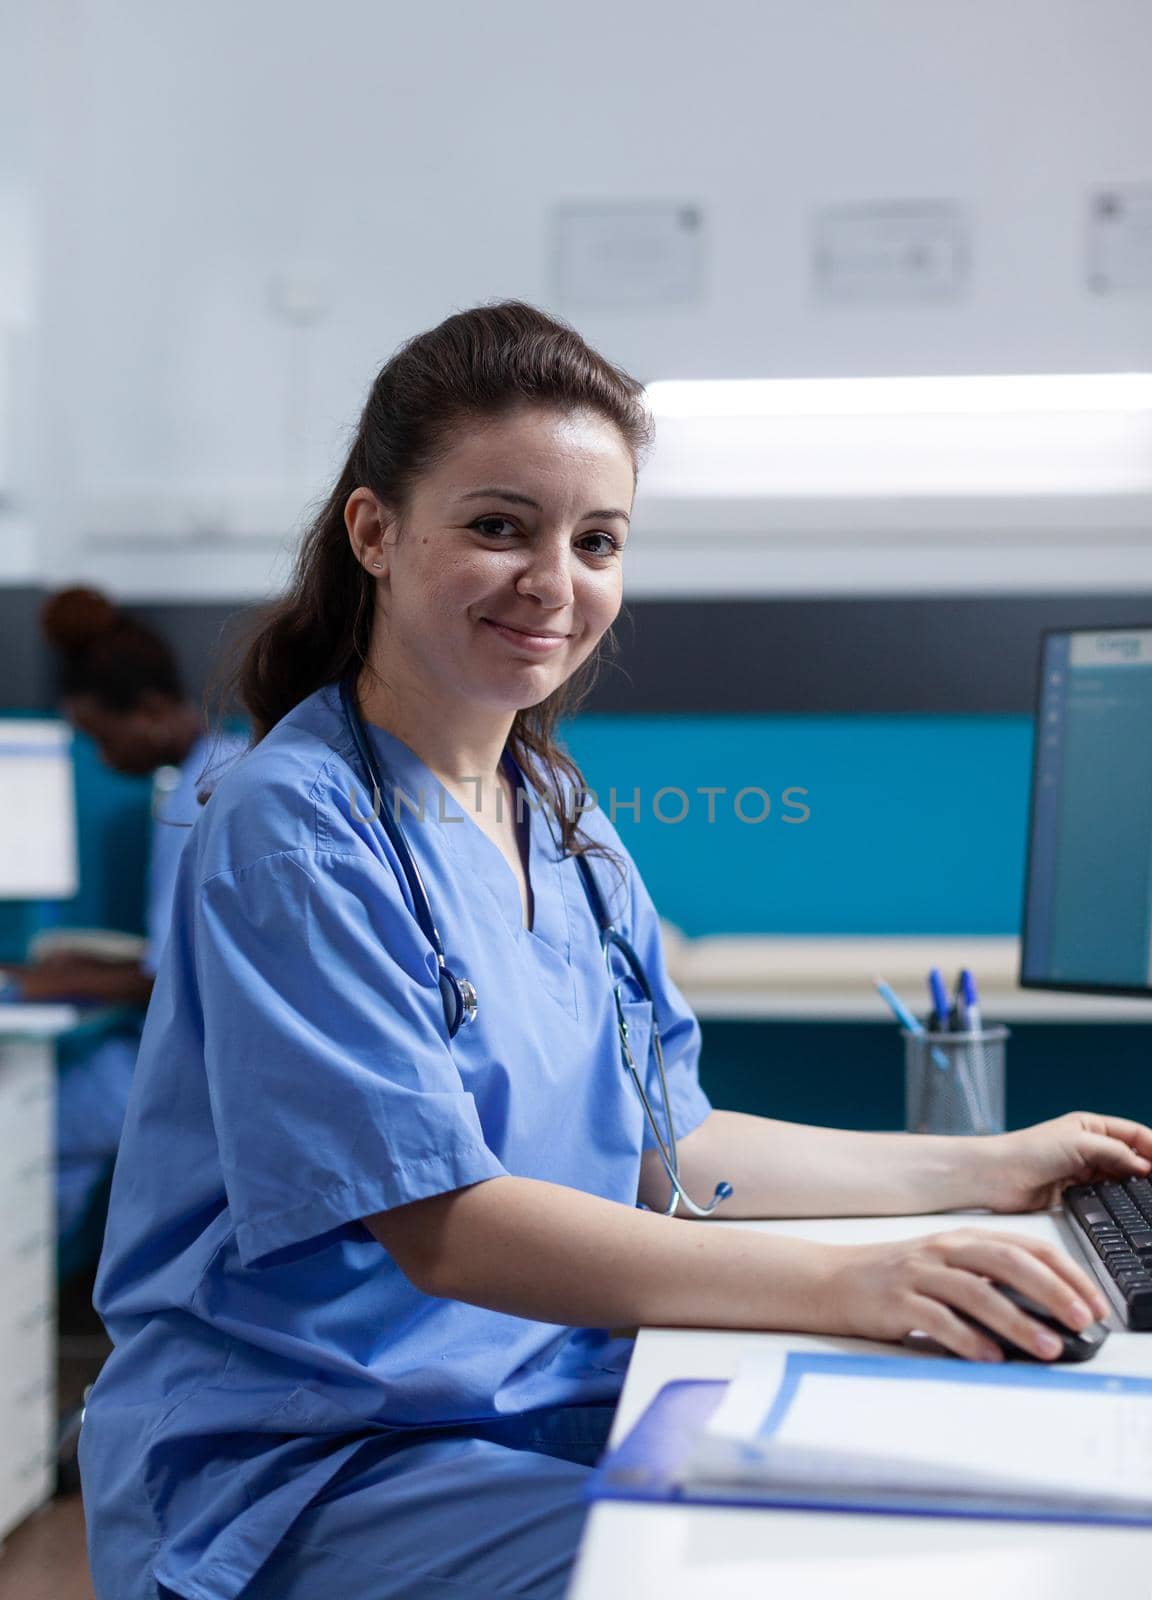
[{"x": 507, "y": 569}]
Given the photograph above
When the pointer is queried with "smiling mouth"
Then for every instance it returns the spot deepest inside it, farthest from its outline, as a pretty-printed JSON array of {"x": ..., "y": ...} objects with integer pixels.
[
  {"x": 525, "y": 637},
  {"x": 527, "y": 633}
]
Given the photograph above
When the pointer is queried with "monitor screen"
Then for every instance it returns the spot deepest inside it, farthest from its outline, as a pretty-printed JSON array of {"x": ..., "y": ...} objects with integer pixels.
[
  {"x": 1088, "y": 897},
  {"x": 37, "y": 811}
]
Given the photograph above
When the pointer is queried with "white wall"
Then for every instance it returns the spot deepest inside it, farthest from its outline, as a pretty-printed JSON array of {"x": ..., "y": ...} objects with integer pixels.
[
  {"x": 187, "y": 158},
  {"x": 19, "y": 362}
]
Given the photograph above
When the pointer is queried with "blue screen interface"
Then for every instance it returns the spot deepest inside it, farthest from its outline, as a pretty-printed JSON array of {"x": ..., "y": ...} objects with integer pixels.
[{"x": 1088, "y": 910}]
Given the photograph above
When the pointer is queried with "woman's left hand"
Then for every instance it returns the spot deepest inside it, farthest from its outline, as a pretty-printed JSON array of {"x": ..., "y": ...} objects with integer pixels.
[{"x": 1028, "y": 1170}]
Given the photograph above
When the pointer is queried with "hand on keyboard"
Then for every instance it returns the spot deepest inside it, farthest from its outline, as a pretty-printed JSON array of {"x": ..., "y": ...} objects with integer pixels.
[{"x": 1029, "y": 1170}]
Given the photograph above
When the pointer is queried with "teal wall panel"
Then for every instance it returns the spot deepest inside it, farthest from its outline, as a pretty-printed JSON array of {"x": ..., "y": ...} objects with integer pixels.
[{"x": 918, "y": 823}]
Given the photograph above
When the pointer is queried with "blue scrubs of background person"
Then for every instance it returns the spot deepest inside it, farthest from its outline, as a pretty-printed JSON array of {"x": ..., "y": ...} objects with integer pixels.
[
  {"x": 279, "y": 1392},
  {"x": 95, "y": 1077},
  {"x": 120, "y": 686}
]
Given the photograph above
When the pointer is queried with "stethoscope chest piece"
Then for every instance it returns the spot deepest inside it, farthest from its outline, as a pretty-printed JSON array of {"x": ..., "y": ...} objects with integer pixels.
[
  {"x": 469, "y": 1004},
  {"x": 460, "y": 1002}
]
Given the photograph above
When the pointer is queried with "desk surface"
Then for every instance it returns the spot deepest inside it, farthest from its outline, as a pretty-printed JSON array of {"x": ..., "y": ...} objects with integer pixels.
[
  {"x": 809, "y": 977},
  {"x": 714, "y": 1002},
  {"x": 18, "y": 1021},
  {"x": 666, "y": 1552}
]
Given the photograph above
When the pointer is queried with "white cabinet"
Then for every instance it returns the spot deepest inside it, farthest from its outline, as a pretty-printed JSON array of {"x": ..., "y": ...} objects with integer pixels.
[{"x": 27, "y": 1277}]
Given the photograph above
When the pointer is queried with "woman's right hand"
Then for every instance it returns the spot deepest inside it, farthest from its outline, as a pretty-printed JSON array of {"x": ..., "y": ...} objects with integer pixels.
[{"x": 887, "y": 1291}]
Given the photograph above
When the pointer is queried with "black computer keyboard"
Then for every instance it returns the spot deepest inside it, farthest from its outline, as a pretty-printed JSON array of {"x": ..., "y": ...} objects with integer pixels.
[{"x": 1115, "y": 1222}]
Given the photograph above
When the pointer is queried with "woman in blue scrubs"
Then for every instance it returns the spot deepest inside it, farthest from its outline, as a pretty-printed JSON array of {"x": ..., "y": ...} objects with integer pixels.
[{"x": 361, "y": 1275}]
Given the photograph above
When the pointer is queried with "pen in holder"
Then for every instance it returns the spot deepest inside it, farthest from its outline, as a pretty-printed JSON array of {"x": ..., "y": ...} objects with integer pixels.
[{"x": 954, "y": 1082}]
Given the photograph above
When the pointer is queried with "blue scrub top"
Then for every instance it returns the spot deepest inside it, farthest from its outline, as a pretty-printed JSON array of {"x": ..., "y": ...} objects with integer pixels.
[
  {"x": 172, "y": 820},
  {"x": 295, "y": 1075}
]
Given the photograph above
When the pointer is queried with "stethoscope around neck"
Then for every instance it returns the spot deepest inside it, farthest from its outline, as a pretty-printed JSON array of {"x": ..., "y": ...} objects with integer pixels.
[{"x": 459, "y": 997}]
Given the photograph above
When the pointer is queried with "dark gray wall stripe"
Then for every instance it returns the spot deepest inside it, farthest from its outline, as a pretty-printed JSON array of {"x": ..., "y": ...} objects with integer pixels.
[
  {"x": 911, "y": 654},
  {"x": 24, "y": 678},
  {"x": 205, "y": 636},
  {"x": 970, "y": 653}
]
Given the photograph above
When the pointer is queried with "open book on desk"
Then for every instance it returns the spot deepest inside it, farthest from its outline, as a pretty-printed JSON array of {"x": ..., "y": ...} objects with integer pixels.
[{"x": 900, "y": 1434}]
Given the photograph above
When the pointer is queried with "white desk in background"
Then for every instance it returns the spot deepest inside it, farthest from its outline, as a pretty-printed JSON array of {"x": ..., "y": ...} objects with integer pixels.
[
  {"x": 645, "y": 1552},
  {"x": 809, "y": 978},
  {"x": 716, "y": 1003},
  {"x": 28, "y": 1036}
]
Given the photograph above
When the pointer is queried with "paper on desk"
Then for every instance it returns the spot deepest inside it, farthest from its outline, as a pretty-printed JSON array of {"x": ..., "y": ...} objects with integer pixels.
[
  {"x": 843, "y": 1430},
  {"x": 749, "y": 1396}
]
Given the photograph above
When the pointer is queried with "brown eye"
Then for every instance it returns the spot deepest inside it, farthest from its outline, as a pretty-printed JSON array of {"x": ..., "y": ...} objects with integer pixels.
[{"x": 491, "y": 526}]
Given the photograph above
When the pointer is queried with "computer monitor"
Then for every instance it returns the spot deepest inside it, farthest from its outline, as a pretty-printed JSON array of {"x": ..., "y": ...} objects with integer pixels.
[
  {"x": 1088, "y": 895},
  {"x": 38, "y": 857}
]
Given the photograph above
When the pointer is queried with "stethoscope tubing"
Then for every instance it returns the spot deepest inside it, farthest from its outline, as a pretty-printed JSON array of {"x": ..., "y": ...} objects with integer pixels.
[{"x": 460, "y": 994}]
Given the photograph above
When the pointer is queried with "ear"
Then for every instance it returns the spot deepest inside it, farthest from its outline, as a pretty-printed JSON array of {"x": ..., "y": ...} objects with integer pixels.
[{"x": 370, "y": 531}]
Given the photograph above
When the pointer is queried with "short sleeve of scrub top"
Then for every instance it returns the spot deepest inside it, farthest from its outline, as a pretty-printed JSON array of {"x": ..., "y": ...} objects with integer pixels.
[{"x": 333, "y": 1087}]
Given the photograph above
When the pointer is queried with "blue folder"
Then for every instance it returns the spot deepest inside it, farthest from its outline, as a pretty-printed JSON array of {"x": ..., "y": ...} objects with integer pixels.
[{"x": 647, "y": 1464}]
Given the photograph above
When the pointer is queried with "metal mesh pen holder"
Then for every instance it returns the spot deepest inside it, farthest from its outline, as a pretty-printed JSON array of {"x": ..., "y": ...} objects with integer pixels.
[{"x": 954, "y": 1082}]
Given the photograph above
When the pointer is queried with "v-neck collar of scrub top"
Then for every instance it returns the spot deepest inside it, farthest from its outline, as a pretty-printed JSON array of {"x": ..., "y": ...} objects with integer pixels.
[{"x": 477, "y": 854}]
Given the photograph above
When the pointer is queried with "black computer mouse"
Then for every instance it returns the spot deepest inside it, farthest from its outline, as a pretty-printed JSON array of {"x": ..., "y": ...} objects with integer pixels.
[{"x": 1077, "y": 1346}]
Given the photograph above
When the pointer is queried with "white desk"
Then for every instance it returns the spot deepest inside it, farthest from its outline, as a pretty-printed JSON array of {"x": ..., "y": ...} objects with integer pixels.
[
  {"x": 36, "y": 1021},
  {"x": 802, "y": 977},
  {"x": 715, "y": 1003},
  {"x": 695, "y": 1552},
  {"x": 27, "y": 1257}
]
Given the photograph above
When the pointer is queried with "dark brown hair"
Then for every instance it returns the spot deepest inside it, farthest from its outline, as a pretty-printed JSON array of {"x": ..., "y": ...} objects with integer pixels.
[
  {"x": 105, "y": 653},
  {"x": 476, "y": 365}
]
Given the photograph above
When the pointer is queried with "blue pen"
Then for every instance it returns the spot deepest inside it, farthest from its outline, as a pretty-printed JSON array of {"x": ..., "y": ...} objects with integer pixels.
[
  {"x": 902, "y": 1014},
  {"x": 966, "y": 1008},
  {"x": 964, "y": 1074},
  {"x": 956, "y": 1015},
  {"x": 939, "y": 999},
  {"x": 971, "y": 1011}
]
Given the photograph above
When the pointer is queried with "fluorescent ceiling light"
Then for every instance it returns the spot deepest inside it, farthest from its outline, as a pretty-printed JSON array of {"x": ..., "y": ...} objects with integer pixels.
[
  {"x": 1035, "y": 393},
  {"x": 869, "y": 438}
]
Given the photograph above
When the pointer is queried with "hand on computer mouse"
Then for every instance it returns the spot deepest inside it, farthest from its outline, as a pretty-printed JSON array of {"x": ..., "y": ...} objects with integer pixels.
[{"x": 945, "y": 1286}]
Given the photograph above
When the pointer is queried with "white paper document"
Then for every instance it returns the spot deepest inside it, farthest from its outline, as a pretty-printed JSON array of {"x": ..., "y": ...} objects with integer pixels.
[{"x": 876, "y": 1428}]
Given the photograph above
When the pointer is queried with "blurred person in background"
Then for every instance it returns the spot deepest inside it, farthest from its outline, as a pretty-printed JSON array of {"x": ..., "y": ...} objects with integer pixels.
[{"x": 119, "y": 684}]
